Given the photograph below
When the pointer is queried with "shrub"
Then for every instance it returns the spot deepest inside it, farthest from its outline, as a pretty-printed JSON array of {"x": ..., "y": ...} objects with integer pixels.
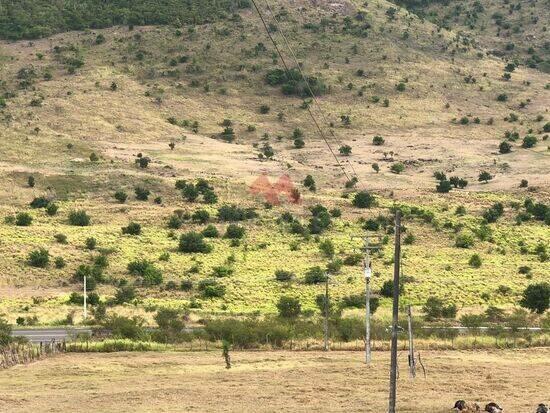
[
  {"x": 31, "y": 181},
  {"x": 529, "y": 141},
  {"x": 387, "y": 289},
  {"x": 186, "y": 285},
  {"x": 315, "y": 275},
  {"x": 505, "y": 147},
  {"x": 409, "y": 239},
  {"x": 264, "y": 109},
  {"x": 125, "y": 327},
  {"x": 289, "y": 307},
  {"x": 364, "y": 199},
  {"x": 79, "y": 218},
  {"x": 23, "y": 219},
  {"x": 39, "y": 258},
  {"x": 234, "y": 232},
  {"x": 327, "y": 248},
  {"x": 443, "y": 187},
  {"x": 503, "y": 97},
  {"x": 378, "y": 140},
  {"x": 125, "y": 294},
  {"x": 464, "y": 239},
  {"x": 39, "y": 202},
  {"x": 435, "y": 308},
  {"x": 52, "y": 209},
  {"x": 536, "y": 297},
  {"x": 234, "y": 213},
  {"x": 91, "y": 243},
  {"x": 142, "y": 194},
  {"x": 397, "y": 168},
  {"x": 201, "y": 216},
  {"x": 376, "y": 167},
  {"x": 345, "y": 150},
  {"x": 210, "y": 288},
  {"x": 475, "y": 261},
  {"x": 309, "y": 183},
  {"x": 193, "y": 242},
  {"x": 94, "y": 157},
  {"x": 484, "y": 177},
  {"x": 210, "y": 232},
  {"x": 358, "y": 301},
  {"x": 282, "y": 275},
  {"x": 121, "y": 196},
  {"x": 148, "y": 271},
  {"x": 299, "y": 143},
  {"x": 400, "y": 87},
  {"x": 59, "y": 263},
  {"x": 133, "y": 228}
]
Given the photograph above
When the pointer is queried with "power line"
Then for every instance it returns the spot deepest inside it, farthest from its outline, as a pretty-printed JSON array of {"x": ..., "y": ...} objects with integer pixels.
[
  {"x": 304, "y": 77},
  {"x": 287, "y": 70}
]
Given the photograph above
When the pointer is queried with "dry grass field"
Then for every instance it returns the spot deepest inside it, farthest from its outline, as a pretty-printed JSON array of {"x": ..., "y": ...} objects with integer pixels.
[{"x": 273, "y": 382}]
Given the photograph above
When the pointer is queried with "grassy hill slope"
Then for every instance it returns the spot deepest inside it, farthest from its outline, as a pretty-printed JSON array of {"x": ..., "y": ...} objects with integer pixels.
[{"x": 117, "y": 93}]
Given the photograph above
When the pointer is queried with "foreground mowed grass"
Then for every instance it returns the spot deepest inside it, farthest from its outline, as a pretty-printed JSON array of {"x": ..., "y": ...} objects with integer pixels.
[{"x": 272, "y": 381}]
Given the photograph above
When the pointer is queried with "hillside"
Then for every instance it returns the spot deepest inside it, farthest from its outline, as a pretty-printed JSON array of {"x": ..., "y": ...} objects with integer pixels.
[{"x": 81, "y": 107}]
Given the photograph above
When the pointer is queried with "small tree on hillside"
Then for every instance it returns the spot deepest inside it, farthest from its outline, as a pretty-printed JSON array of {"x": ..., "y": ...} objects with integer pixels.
[
  {"x": 364, "y": 199},
  {"x": 289, "y": 307},
  {"x": 485, "y": 177},
  {"x": 345, "y": 150},
  {"x": 536, "y": 297}
]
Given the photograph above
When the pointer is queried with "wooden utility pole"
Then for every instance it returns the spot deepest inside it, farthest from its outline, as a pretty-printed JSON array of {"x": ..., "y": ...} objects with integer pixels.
[
  {"x": 412, "y": 361},
  {"x": 85, "y": 299},
  {"x": 395, "y": 312},
  {"x": 368, "y": 275},
  {"x": 326, "y": 347}
]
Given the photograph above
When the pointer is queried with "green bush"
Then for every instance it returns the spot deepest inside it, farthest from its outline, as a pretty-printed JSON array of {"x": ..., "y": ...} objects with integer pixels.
[
  {"x": 234, "y": 232},
  {"x": 234, "y": 213},
  {"x": 125, "y": 294},
  {"x": 387, "y": 289},
  {"x": 23, "y": 219},
  {"x": 150, "y": 274},
  {"x": 536, "y": 297},
  {"x": 79, "y": 218},
  {"x": 39, "y": 202},
  {"x": 364, "y": 199},
  {"x": 282, "y": 275},
  {"x": 142, "y": 194},
  {"x": 52, "y": 209},
  {"x": 529, "y": 141},
  {"x": 210, "y": 232},
  {"x": 39, "y": 258},
  {"x": 133, "y": 228},
  {"x": 91, "y": 243},
  {"x": 210, "y": 288},
  {"x": 125, "y": 327},
  {"x": 464, "y": 239},
  {"x": 315, "y": 275},
  {"x": 397, "y": 168},
  {"x": 121, "y": 196},
  {"x": 289, "y": 307},
  {"x": 292, "y": 83},
  {"x": 475, "y": 261},
  {"x": 378, "y": 140},
  {"x": 193, "y": 242},
  {"x": 201, "y": 216}
]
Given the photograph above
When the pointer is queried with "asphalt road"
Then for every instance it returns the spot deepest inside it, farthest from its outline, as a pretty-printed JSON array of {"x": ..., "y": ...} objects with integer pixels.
[{"x": 36, "y": 335}]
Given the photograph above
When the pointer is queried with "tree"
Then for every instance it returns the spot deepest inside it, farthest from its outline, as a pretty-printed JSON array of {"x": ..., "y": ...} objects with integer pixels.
[
  {"x": 193, "y": 242},
  {"x": 364, "y": 199},
  {"x": 125, "y": 294},
  {"x": 505, "y": 147},
  {"x": 464, "y": 239},
  {"x": 94, "y": 157},
  {"x": 485, "y": 177},
  {"x": 91, "y": 243},
  {"x": 299, "y": 143},
  {"x": 376, "y": 167},
  {"x": 345, "y": 150},
  {"x": 210, "y": 232},
  {"x": 435, "y": 308},
  {"x": 234, "y": 231},
  {"x": 387, "y": 289},
  {"x": 289, "y": 307},
  {"x": 31, "y": 181},
  {"x": 536, "y": 297}
]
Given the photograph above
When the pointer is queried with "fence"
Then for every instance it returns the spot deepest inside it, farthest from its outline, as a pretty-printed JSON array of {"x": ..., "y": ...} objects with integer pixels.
[{"x": 18, "y": 353}]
